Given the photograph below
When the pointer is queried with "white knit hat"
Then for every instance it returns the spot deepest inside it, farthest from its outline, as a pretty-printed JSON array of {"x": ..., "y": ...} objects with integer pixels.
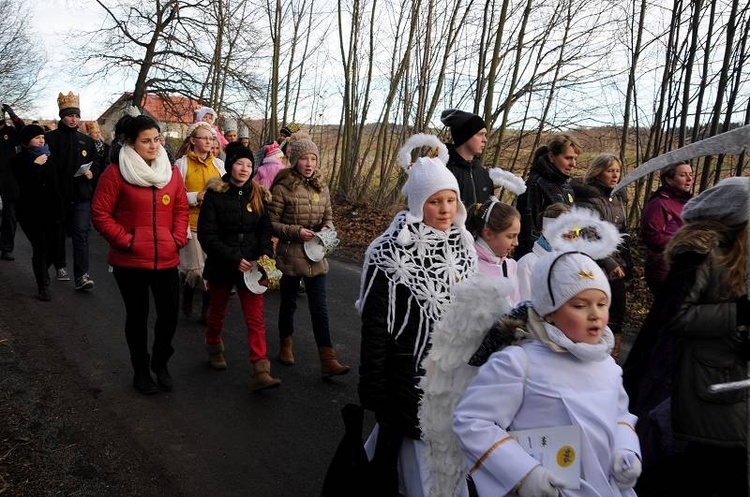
[
  {"x": 427, "y": 176},
  {"x": 559, "y": 276},
  {"x": 200, "y": 113},
  {"x": 727, "y": 202}
]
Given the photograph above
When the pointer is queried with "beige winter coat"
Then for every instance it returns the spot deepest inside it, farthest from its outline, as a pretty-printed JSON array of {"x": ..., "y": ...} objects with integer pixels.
[{"x": 298, "y": 202}]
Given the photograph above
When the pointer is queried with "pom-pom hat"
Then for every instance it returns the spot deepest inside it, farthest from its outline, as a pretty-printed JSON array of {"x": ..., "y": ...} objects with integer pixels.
[{"x": 427, "y": 176}]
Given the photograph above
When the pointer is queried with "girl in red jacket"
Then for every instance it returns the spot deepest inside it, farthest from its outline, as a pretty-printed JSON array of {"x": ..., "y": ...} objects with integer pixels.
[{"x": 141, "y": 209}]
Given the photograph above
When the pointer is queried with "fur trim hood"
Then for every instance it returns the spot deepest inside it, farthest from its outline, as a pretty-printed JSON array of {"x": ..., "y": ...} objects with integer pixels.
[
  {"x": 291, "y": 179},
  {"x": 221, "y": 185}
]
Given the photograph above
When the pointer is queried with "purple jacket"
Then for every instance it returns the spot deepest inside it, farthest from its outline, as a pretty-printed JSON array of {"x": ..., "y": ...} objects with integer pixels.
[{"x": 662, "y": 217}]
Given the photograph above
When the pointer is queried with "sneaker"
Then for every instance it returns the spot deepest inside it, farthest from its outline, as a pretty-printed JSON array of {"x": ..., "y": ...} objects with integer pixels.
[
  {"x": 62, "y": 275},
  {"x": 84, "y": 283}
]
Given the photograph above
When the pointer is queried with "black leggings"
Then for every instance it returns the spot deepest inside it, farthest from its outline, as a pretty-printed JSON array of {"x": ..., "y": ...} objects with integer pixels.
[{"x": 134, "y": 287}]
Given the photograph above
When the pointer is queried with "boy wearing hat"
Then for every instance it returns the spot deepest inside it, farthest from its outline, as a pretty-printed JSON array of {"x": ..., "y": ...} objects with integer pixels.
[
  {"x": 73, "y": 149},
  {"x": 469, "y": 135},
  {"x": 8, "y": 187}
]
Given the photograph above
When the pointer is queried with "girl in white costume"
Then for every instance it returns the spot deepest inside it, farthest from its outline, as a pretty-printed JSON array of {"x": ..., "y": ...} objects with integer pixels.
[
  {"x": 563, "y": 376},
  {"x": 407, "y": 282}
]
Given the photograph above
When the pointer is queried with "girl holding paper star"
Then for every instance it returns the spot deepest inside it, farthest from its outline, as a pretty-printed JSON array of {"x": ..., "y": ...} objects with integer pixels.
[
  {"x": 562, "y": 376},
  {"x": 234, "y": 229}
]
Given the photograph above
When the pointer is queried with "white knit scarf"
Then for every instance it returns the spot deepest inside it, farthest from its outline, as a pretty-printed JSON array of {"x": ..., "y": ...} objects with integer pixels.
[
  {"x": 584, "y": 351},
  {"x": 136, "y": 172},
  {"x": 429, "y": 266}
]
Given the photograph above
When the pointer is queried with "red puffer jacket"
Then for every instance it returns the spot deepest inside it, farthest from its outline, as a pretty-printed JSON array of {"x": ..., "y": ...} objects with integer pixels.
[{"x": 145, "y": 226}]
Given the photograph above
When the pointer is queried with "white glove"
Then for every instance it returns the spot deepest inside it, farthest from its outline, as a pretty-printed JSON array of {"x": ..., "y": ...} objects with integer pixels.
[
  {"x": 626, "y": 468},
  {"x": 540, "y": 482}
]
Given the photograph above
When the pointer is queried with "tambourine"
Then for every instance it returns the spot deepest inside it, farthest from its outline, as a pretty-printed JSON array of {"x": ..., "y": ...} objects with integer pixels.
[{"x": 321, "y": 245}]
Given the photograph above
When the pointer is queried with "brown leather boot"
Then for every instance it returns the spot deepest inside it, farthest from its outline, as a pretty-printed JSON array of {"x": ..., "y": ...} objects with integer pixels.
[
  {"x": 329, "y": 366},
  {"x": 262, "y": 378},
  {"x": 216, "y": 356},
  {"x": 616, "y": 349},
  {"x": 285, "y": 353}
]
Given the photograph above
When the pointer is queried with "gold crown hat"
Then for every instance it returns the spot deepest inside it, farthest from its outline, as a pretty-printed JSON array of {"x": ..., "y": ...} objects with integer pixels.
[{"x": 68, "y": 104}]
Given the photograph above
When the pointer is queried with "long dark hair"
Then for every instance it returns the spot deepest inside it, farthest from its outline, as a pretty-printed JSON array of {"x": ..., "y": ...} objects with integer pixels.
[{"x": 127, "y": 130}]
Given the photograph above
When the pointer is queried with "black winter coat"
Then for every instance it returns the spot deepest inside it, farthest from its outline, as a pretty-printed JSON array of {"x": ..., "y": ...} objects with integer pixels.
[
  {"x": 474, "y": 181},
  {"x": 229, "y": 230},
  {"x": 388, "y": 377},
  {"x": 545, "y": 186},
  {"x": 8, "y": 148},
  {"x": 39, "y": 202},
  {"x": 72, "y": 149}
]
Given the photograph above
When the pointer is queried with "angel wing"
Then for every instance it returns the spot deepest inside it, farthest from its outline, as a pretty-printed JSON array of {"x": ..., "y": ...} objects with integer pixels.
[{"x": 731, "y": 142}]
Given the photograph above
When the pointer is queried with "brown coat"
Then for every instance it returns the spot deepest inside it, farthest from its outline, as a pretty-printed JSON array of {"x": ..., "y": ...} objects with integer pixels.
[{"x": 298, "y": 202}]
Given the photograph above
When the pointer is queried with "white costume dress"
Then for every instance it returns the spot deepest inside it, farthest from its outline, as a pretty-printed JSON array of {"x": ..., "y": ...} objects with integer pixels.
[{"x": 533, "y": 386}]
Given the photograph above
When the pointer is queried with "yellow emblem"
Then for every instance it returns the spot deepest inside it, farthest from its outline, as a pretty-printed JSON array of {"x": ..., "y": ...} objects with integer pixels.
[
  {"x": 5, "y": 137},
  {"x": 165, "y": 199},
  {"x": 316, "y": 197},
  {"x": 585, "y": 274},
  {"x": 566, "y": 456},
  {"x": 84, "y": 153},
  {"x": 570, "y": 198},
  {"x": 249, "y": 207}
]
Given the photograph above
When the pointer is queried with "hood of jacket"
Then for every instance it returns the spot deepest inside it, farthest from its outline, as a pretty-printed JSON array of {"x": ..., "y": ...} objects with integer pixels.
[{"x": 291, "y": 179}]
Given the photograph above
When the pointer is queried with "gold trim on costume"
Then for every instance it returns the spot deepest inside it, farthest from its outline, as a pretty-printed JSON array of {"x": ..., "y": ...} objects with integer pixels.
[{"x": 494, "y": 446}]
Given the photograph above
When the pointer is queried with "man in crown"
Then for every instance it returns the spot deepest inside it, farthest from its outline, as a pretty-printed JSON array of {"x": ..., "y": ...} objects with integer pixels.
[{"x": 76, "y": 155}]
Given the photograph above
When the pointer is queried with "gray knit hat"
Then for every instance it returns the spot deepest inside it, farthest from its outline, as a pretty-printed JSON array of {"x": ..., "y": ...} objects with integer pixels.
[
  {"x": 726, "y": 201},
  {"x": 300, "y": 144}
]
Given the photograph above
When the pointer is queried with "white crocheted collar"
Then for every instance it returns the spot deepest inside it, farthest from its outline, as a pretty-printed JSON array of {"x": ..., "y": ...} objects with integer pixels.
[{"x": 429, "y": 266}]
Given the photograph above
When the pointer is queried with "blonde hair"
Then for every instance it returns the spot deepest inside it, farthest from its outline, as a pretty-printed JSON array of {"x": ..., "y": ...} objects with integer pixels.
[
  {"x": 600, "y": 164},
  {"x": 191, "y": 132}
]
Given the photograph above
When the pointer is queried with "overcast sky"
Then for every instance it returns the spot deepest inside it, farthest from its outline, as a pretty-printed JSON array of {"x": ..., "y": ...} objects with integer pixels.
[{"x": 57, "y": 22}]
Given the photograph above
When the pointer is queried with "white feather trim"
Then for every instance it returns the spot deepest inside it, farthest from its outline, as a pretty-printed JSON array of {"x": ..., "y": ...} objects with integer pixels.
[
  {"x": 132, "y": 111},
  {"x": 558, "y": 230},
  {"x": 421, "y": 140},
  {"x": 508, "y": 180},
  {"x": 477, "y": 305}
]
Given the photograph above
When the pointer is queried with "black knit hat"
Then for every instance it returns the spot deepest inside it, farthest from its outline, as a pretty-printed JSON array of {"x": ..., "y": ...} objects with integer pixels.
[
  {"x": 235, "y": 151},
  {"x": 463, "y": 125},
  {"x": 28, "y": 132}
]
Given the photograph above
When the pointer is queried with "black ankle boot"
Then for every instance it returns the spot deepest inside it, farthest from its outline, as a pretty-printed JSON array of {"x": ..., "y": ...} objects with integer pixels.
[
  {"x": 163, "y": 378},
  {"x": 143, "y": 382}
]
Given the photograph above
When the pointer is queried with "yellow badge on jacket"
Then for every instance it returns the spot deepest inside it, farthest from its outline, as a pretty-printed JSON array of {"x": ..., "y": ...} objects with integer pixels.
[
  {"x": 84, "y": 153},
  {"x": 316, "y": 197},
  {"x": 249, "y": 207},
  {"x": 165, "y": 199}
]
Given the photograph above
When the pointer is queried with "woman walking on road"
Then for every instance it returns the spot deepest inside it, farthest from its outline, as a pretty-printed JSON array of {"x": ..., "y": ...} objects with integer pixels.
[
  {"x": 197, "y": 165},
  {"x": 40, "y": 204},
  {"x": 235, "y": 231},
  {"x": 300, "y": 207},
  {"x": 141, "y": 209}
]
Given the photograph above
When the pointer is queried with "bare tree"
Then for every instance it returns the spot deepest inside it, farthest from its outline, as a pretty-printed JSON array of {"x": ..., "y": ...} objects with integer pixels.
[{"x": 20, "y": 58}]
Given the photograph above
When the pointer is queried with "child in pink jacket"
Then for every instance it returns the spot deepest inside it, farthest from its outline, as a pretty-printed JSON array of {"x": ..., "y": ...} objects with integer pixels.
[{"x": 271, "y": 165}]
